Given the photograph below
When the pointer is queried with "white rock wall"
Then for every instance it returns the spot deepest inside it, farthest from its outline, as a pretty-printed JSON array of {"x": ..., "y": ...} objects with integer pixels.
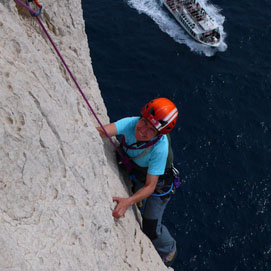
[{"x": 57, "y": 177}]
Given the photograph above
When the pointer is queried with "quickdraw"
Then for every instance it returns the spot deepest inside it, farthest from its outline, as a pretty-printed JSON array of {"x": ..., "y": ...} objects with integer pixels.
[{"x": 35, "y": 14}]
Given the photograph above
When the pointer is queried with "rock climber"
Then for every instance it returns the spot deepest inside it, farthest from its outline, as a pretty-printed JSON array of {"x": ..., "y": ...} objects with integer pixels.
[{"x": 147, "y": 144}]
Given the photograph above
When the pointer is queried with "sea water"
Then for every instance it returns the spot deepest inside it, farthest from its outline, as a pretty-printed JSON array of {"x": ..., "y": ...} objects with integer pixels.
[{"x": 220, "y": 216}]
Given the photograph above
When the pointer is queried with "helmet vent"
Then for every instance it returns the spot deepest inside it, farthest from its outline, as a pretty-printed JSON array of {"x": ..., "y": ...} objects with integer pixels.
[
  {"x": 151, "y": 111},
  {"x": 161, "y": 113},
  {"x": 163, "y": 123}
]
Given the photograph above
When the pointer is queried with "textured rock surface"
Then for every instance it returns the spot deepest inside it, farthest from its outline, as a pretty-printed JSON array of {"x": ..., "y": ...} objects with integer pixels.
[{"x": 57, "y": 177}]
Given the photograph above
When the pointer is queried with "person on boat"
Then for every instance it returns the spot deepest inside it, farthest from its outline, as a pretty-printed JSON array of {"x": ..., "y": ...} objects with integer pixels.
[{"x": 152, "y": 169}]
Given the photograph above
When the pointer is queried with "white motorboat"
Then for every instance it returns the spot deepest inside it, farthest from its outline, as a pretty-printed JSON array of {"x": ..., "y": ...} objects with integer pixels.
[{"x": 195, "y": 20}]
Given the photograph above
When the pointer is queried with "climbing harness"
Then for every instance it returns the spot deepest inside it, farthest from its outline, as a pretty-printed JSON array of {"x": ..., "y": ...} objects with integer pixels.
[
  {"x": 164, "y": 194},
  {"x": 176, "y": 182},
  {"x": 125, "y": 161},
  {"x": 137, "y": 174}
]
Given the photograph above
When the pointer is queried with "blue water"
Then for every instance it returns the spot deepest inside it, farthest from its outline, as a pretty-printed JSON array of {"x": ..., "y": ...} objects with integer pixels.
[{"x": 220, "y": 216}]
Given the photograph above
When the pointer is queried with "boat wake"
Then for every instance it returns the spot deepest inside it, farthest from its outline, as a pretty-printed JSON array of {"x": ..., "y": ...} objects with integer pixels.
[{"x": 155, "y": 10}]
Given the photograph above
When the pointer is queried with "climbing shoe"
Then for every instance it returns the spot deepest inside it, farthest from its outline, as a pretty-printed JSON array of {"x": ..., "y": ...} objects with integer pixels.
[
  {"x": 170, "y": 258},
  {"x": 140, "y": 205}
]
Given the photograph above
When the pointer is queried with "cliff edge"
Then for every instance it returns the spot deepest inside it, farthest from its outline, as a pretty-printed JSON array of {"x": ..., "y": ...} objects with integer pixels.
[{"x": 57, "y": 177}]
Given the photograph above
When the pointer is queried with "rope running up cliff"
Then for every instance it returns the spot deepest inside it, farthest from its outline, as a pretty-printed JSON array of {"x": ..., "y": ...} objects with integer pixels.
[{"x": 125, "y": 160}]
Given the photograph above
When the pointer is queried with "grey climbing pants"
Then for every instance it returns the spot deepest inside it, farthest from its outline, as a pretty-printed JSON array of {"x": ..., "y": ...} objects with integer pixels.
[{"x": 152, "y": 213}]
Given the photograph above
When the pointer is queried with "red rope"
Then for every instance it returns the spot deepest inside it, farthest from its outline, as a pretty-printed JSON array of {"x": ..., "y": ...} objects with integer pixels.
[{"x": 37, "y": 3}]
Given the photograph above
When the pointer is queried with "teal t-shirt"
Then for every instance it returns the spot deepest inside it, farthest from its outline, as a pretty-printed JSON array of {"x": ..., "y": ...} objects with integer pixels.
[{"x": 155, "y": 159}]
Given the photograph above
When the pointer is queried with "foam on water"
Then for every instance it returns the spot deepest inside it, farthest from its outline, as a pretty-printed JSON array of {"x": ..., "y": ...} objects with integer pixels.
[{"x": 155, "y": 10}]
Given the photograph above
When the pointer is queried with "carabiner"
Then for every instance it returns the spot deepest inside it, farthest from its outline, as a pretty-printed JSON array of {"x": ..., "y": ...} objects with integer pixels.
[{"x": 38, "y": 5}]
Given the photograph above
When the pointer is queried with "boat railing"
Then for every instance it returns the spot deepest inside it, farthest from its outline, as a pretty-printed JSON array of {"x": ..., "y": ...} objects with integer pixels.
[{"x": 175, "y": 4}]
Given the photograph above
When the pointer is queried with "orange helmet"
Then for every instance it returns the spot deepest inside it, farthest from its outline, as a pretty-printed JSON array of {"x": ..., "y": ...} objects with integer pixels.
[{"x": 161, "y": 113}]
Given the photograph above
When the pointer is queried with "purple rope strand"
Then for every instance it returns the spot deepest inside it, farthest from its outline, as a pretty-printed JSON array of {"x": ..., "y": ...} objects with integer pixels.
[{"x": 126, "y": 162}]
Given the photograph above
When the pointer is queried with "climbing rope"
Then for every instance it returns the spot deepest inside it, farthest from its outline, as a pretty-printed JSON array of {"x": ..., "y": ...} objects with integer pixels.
[
  {"x": 125, "y": 160},
  {"x": 37, "y": 3}
]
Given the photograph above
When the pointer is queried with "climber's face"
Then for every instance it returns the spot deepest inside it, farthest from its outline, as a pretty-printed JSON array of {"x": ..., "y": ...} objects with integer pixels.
[{"x": 144, "y": 130}]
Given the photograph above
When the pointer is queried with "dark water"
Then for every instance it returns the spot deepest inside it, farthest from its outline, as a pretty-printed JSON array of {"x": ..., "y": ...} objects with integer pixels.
[{"x": 220, "y": 216}]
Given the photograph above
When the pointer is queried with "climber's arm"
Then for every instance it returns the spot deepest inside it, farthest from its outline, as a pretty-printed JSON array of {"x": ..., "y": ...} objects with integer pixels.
[{"x": 111, "y": 129}]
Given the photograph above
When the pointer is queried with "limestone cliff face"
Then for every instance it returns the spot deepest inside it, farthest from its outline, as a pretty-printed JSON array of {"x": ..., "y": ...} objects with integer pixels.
[{"x": 57, "y": 177}]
